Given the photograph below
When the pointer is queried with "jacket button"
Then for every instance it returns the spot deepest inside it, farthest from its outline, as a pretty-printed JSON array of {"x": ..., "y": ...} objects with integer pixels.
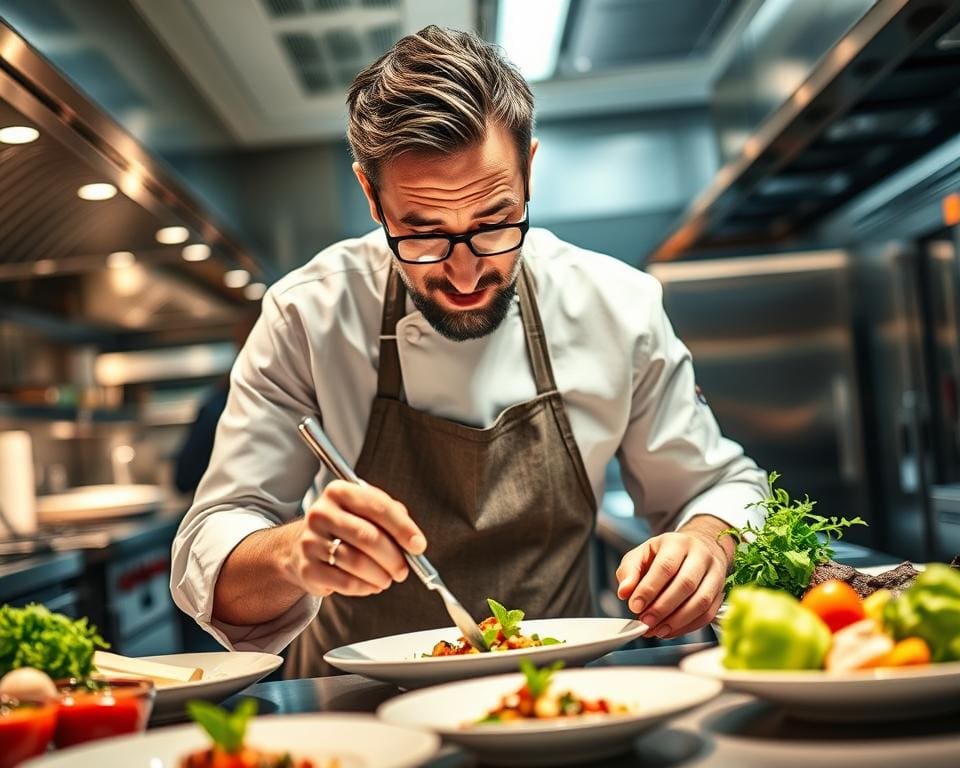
[{"x": 412, "y": 334}]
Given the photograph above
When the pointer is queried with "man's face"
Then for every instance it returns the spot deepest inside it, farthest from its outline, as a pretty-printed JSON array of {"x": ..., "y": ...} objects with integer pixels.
[{"x": 463, "y": 297}]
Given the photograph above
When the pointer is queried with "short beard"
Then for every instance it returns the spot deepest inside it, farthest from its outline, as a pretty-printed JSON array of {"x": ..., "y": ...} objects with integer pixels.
[{"x": 468, "y": 323}]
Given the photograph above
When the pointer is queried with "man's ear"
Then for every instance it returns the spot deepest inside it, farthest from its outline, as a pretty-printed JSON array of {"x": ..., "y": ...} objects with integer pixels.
[
  {"x": 367, "y": 188},
  {"x": 534, "y": 144}
]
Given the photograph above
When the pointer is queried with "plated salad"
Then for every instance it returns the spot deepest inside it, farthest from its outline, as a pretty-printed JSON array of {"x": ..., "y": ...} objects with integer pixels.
[
  {"x": 535, "y": 700},
  {"x": 227, "y": 731},
  {"x": 833, "y": 629},
  {"x": 501, "y": 631}
]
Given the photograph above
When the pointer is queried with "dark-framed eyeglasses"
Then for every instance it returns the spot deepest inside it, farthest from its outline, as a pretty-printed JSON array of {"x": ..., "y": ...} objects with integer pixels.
[{"x": 492, "y": 240}]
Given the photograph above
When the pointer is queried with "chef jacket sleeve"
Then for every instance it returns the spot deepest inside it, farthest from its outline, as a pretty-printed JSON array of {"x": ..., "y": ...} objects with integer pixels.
[
  {"x": 674, "y": 461},
  {"x": 258, "y": 474}
]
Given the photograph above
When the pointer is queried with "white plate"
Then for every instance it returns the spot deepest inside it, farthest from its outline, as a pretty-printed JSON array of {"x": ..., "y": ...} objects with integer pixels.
[
  {"x": 359, "y": 741},
  {"x": 224, "y": 674},
  {"x": 93, "y": 502},
  {"x": 397, "y": 659},
  {"x": 452, "y": 710},
  {"x": 876, "y": 694}
]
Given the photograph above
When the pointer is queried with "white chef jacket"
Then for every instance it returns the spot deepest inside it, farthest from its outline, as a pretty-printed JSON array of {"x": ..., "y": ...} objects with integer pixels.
[{"x": 627, "y": 383}]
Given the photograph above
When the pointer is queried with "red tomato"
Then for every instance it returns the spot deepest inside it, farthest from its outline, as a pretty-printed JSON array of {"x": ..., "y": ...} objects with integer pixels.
[{"x": 836, "y": 602}]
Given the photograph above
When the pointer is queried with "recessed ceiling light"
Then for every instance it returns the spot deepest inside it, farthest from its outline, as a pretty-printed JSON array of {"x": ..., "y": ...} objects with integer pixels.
[
  {"x": 18, "y": 134},
  {"x": 236, "y": 278},
  {"x": 120, "y": 259},
  {"x": 98, "y": 191},
  {"x": 172, "y": 235},
  {"x": 45, "y": 266},
  {"x": 196, "y": 252},
  {"x": 255, "y": 291}
]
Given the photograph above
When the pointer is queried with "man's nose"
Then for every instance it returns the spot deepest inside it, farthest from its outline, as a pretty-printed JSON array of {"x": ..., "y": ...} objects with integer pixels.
[{"x": 463, "y": 269}]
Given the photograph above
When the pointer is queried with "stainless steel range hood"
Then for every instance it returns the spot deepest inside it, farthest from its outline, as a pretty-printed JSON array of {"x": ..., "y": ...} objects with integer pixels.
[
  {"x": 886, "y": 94},
  {"x": 54, "y": 246}
]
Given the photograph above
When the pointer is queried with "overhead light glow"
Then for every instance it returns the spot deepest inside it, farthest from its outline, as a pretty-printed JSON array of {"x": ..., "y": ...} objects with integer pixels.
[
  {"x": 255, "y": 291},
  {"x": 530, "y": 33},
  {"x": 196, "y": 252},
  {"x": 172, "y": 235},
  {"x": 120, "y": 259},
  {"x": 236, "y": 278},
  {"x": 18, "y": 134},
  {"x": 45, "y": 267},
  {"x": 98, "y": 191}
]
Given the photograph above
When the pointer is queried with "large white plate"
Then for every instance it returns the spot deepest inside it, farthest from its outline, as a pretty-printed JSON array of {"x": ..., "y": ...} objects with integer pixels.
[
  {"x": 452, "y": 710},
  {"x": 397, "y": 659},
  {"x": 359, "y": 741},
  {"x": 876, "y": 694},
  {"x": 224, "y": 674},
  {"x": 94, "y": 502}
]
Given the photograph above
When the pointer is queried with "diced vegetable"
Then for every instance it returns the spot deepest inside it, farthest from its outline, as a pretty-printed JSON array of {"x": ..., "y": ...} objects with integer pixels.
[
  {"x": 769, "y": 629},
  {"x": 911, "y": 651},
  {"x": 875, "y": 604}
]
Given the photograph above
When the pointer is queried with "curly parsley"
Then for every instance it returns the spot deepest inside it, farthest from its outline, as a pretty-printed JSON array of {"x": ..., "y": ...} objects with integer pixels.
[{"x": 51, "y": 642}]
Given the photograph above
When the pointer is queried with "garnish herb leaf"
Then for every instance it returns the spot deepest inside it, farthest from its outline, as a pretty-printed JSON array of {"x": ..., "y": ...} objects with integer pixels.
[
  {"x": 783, "y": 553},
  {"x": 226, "y": 728},
  {"x": 32, "y": 636},
  {"x": 538, "y": 680},
  {"x": 509, "y": 620}
]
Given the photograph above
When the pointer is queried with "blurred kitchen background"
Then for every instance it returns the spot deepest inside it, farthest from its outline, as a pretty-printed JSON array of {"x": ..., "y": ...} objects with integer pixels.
[{"x": 789, "y": 169}]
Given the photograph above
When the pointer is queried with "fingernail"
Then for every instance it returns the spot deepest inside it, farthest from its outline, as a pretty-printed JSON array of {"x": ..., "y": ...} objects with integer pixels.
[
  {"x": 663, "y": 631},
  {"x": 650, "y": 620},
  {"x": 403, "y": 574},
  {"x": 621, "y": 585},
  {"x": 418, "y": 543}
]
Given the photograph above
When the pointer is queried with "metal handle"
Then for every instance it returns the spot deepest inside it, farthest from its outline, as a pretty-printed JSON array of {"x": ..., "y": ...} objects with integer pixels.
[{"x": 314, "y": 436}]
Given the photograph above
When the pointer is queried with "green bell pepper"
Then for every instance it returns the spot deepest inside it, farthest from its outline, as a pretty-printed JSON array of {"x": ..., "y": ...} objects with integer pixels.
[
  {"x": 769, "y": 629},
  {"x": 929, "y": 609}
]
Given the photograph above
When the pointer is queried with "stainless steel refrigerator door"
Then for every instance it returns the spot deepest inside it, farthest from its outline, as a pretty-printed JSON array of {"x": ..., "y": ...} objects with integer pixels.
[{"x": 773, "y": 348}]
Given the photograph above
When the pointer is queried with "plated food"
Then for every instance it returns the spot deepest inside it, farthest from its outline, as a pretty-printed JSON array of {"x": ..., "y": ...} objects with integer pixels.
[
  {"x": 501, "y": 631},
  {"x": 400, "y": 659},
  {"x": 49, "y": 677},
  {"x": 229, "y": 748},
  {"x": 835, "y": 655},
  {"x": 639, "y": 699},
  {"x": 538, "y": 699},
  {"x": 357, "y": 741}
]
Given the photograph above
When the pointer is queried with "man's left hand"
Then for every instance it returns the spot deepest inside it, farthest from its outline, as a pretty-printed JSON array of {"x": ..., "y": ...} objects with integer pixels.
[{"x": 674, "y": 581}]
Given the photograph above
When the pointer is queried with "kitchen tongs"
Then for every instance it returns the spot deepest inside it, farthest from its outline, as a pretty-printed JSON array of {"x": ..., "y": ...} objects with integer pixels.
[{"x": 314, "y": 436}]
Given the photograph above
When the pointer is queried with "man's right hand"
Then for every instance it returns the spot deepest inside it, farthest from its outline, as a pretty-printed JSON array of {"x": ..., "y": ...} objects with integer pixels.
[{"x": 373, "y": 529}]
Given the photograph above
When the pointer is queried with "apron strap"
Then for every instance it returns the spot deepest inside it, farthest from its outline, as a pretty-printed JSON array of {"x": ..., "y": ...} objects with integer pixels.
[
  {"x": 533, "y": 330},
  {"x": 389, "y": 377}
]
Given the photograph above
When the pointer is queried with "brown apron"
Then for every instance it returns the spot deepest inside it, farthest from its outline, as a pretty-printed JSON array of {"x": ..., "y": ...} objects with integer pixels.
[{"x": 507, "y": 511}]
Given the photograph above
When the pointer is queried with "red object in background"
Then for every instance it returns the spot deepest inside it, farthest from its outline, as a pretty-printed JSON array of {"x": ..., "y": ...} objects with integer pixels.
[
  {"x": 25, "y": 730},
  {"x": 836, "y": 603},
  {"x": 123, "y": 707}
]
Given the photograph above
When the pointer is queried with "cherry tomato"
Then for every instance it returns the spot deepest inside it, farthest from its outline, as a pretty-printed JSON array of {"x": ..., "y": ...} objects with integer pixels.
[{"x": 836, "y": 603}]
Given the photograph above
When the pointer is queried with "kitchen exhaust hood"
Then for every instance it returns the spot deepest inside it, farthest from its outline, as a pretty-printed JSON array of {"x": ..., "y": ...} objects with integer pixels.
[
  {"x": 63, "y": 244},
  {"x": 886, "y": 94}
]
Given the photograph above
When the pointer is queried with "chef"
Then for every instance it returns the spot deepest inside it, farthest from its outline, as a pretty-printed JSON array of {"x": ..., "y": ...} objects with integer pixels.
[{"x": 480, "y": 374}]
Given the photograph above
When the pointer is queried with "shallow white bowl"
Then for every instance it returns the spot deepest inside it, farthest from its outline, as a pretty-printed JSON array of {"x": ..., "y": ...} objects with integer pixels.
[
  {"x": 652, "y": 693},
  {"x": 398, "y": 659}
]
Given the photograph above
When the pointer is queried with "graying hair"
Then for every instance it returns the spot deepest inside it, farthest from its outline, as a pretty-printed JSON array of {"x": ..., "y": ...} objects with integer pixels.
[{"x": 434, "y": 92}]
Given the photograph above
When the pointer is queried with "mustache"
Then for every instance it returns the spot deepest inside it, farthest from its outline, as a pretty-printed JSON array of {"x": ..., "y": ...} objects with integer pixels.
[{"x": 486, "y": 280}]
